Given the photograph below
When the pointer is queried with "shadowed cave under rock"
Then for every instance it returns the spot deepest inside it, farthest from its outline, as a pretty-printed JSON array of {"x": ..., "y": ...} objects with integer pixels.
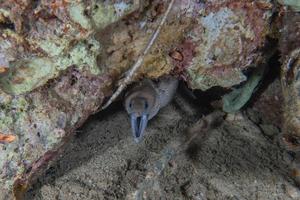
[{"x": 238, "y": 158}]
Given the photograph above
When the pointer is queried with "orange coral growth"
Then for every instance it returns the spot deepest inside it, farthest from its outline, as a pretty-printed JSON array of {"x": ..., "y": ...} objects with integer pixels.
[
  {"x": 3, "y": 69},
  {"x": 7, "y": 138}
]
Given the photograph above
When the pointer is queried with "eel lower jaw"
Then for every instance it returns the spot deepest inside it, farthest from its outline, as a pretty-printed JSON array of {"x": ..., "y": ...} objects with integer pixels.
[{"x": 138, "y": 126}]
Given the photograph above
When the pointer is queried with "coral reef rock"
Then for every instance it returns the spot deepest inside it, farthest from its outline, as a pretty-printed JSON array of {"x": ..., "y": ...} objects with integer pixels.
[{"x": 59, "y": 60}]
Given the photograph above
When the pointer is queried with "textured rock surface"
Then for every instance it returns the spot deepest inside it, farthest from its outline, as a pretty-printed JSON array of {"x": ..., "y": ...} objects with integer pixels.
[
  {"x": 290, "y": 81},
  {"x": 59, "y": 59},
  {"x": 51, "y": 83},
  {"x": 229, "y": 40}
]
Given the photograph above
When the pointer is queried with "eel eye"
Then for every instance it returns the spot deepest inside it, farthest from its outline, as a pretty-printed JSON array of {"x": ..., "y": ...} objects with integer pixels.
[{"x": 130, "y": 105}]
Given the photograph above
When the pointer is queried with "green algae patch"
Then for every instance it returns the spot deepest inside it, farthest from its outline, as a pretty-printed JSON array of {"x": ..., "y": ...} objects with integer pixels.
[
  {"x": 76, "y": 12},
  {"x": 104, "y": 14},
  {"x": 99, "y": 14},
  {"x": 4, "y": 12},
  {"x": 53, "y": 47},
  {"x": 83, "y": 55},
  {"x": 12, "y": 110},
  {"x": 204, "y": 80},
  {"x": 25, "y": 75},
  {"x": 6, "y": 122},
  {"x": 294, "y": 4}
]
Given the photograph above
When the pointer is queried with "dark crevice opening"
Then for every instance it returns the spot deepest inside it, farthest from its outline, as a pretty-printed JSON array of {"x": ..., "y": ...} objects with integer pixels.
[{"x": 7, "y": 24}]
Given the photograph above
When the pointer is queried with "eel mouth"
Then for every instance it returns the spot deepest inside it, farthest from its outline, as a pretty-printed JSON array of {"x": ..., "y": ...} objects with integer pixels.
[{"x": 138, "y": 126}]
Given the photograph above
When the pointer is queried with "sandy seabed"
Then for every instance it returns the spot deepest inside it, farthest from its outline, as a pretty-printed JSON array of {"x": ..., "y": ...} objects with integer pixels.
[{"x": 235, "y": 161}]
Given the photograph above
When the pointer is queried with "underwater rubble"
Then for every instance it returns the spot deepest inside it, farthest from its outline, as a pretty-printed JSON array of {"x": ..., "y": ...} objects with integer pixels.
[{"x": 60, "y": 59}]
